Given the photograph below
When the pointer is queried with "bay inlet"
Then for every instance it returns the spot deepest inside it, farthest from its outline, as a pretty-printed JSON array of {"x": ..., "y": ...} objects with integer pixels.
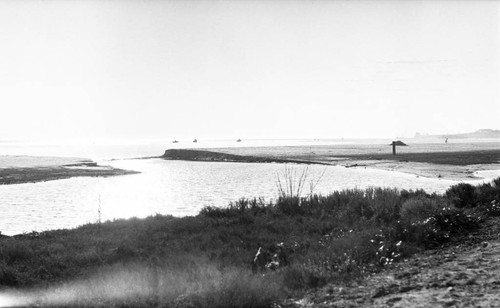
[{"x": 179, "y": 188}]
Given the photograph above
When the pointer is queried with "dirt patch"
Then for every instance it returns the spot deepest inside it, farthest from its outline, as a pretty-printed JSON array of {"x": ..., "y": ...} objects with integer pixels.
[{"x": 463, "y": 273}]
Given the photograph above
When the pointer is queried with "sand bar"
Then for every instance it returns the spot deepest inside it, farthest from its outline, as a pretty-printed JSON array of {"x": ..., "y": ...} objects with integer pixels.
[
  {"x": 29, "y": 169},
  {"x": 458, "y": 161}
]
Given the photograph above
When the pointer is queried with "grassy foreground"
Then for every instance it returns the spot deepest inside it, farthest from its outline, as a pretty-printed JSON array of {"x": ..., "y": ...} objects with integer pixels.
[{"x": 205, "y": 261}]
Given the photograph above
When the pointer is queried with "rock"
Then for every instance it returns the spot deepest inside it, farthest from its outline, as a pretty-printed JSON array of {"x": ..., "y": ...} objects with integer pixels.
[
  {"x": 379, "y": 292},
  {"x": 493, "y": 281},
  {"x": 406, "y": 274},
  {"x": 471, "y": 281},
  {"x": 393, "y": 300},
  {"x": 404, "y": 289},
  {"x": 450, "y": 303},
  {"x": 450, "y": 283},
  {"x": 402, "y": 275}
]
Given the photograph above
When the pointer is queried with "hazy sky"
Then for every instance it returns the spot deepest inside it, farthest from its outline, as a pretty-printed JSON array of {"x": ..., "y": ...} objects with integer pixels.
[{"x": 247, "y": 69}]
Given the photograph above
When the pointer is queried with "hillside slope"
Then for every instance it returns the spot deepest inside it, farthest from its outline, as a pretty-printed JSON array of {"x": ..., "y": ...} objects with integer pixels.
[{"x": 464, "y": 273}]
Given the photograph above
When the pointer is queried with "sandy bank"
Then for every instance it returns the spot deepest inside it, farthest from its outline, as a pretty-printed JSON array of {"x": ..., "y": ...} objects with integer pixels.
[
  {"x": 205, "y": 155},
  {"x": 29, "y": 169},
  {"x": 446, "y": 161}
]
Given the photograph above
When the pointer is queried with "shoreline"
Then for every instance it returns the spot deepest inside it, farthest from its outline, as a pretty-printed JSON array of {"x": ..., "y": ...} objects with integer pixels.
[
  {"x": 451, "y": 165},
  {"x": 451, "y": 162},
  {"x": 427, "y": 170},
  {"x": 213, "y": 156},
  {"x": 33, "y": 169}
]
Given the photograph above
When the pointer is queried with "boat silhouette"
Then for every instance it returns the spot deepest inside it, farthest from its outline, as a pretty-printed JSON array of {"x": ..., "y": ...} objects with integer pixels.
[
  {"x": 239, "y": 140},
  {"x": 195, "y": 140},
  {"x": 175, "y": 141}
]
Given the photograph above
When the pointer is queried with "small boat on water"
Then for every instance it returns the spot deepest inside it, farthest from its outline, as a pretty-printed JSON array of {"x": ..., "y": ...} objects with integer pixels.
[
  {"x": 195, "y": 140},
  {"x": 239, "y": 140},
  {"x": 175, "y": 141}
]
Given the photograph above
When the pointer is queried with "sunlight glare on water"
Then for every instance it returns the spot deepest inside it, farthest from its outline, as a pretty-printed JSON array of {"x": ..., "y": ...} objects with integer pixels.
[
  {"x": 171, "y": 187},
  {"x": 178, "y": 188}
]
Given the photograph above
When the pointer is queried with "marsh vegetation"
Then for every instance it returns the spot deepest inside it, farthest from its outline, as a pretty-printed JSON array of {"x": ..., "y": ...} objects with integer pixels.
[{"x": 205, "y": 260}]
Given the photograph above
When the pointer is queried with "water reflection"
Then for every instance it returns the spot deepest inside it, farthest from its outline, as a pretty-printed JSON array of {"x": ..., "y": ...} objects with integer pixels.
[{"x": 172, "y": 187}]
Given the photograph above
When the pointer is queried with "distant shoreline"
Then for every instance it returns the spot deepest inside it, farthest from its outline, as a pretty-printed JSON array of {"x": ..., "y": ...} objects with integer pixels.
[
  {"x": 451, "y": 161},
  {"x": 458, "y": 158},
  {"x": 440, "y": 163}
]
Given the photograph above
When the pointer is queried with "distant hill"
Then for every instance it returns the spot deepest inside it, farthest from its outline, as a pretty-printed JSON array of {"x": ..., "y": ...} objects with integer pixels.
[{"x": 482, "y": 133}]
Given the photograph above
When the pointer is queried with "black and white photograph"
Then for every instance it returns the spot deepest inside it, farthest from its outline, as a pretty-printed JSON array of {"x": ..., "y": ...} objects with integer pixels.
[{"x": 249, "y": 153}]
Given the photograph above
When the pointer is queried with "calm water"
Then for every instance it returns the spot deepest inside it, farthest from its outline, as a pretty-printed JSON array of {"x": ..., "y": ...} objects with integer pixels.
[{"x": 171, "y": 187}]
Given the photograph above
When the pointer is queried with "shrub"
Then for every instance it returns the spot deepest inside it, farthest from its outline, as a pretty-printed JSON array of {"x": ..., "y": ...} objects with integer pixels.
[
  {"x": 12, "y": 251},
  {"x": 7, "y": 275},
  {"x": 387, "y": 204},
  {"x": 496, "y": 184},
  {"x": 291, "y": 182},
  {"x": 485, "y": 193},
  {"x": 453, "y": 220},
  {"x": 419, "y": 193},
  {"x": 236, "y": 209},
  {"x": 491, "y": 209},
  {"x": 289, "y": 205},
  {"x": 417, "y": 210},
  {"x": 461, "y": 195},
  {"x": 488, "y": 192}
]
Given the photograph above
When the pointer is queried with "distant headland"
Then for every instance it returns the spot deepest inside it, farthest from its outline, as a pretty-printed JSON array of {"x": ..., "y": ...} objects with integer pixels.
[{"x": 481, "y": 133}]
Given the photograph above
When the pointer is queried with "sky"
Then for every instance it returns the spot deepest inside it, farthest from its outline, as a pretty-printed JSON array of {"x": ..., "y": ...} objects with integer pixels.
[{"x": 83, "y": 69}]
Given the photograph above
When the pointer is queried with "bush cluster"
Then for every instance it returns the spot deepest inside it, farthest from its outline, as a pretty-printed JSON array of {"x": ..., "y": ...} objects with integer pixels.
[
  {"x": 465, "y": 195},
  {"x": 352, "y": 232}
]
